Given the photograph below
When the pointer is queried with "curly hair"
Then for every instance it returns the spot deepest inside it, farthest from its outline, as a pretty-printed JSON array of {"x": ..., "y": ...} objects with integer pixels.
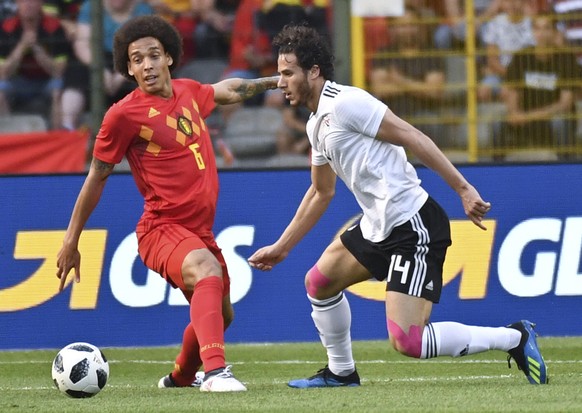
[
  {"x": 138, "y": 28},
  {"x": 310, "y": 48}
]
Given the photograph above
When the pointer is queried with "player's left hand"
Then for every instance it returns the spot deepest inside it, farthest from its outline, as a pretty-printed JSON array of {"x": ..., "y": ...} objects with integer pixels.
[{"x": 475, "y": 207}]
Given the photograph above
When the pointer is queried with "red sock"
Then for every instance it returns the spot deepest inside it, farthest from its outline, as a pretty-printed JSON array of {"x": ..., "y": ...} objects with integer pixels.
[
  {"x": 188, "y": 361},
  {"x": 206, "y": 317}
]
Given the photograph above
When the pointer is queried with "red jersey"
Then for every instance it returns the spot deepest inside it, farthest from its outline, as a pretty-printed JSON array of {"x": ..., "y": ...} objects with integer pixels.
[{"x": 169, "y": 150}]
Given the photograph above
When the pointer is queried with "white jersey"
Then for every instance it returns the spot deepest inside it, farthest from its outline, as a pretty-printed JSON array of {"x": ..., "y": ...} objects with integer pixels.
[{"x": 342, "y": 133}]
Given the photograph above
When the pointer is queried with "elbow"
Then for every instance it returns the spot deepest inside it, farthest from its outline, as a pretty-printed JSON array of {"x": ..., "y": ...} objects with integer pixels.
[
  {"x": 321, "y": 195},
  {"x": 327, "y": 195}
]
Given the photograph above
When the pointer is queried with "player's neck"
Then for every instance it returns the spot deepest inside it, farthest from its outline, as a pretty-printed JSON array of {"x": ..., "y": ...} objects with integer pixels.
[{"x": 317, "y": 88}]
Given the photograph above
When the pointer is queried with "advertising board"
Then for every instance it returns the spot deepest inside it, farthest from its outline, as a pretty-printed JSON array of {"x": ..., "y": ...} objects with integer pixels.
[{"x": 528, "y": 264}]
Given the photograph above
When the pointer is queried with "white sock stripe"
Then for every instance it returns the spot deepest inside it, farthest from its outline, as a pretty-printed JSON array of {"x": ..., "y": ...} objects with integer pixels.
[
  {"x": 328, "y": 302},
  {"x": 431, "y": 345}
]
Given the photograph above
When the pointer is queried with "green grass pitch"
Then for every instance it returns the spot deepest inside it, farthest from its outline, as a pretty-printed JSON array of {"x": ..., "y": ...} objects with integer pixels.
[{"x": 390, "y": 382}]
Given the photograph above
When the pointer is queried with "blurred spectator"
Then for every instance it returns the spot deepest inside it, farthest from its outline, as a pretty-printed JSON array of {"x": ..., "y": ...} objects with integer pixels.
[
  {"x": 428, "y": 17},
  {"x": 319, "y": 15},
  {"x": 539, "y": 93},
  {"x": 292, "y": 137},
  {"x": 507, "y": 33},
  {"x": 255, "y": 24},
  {"x": 570, "y": 22},
  {"x": 250, "y": 50},
  {"x": 7, "y": 9},
  {"x": 182, "y": 15},
  {"x": 215, "y": 27},
  {"x": 275, "y": 14},
  {"x": 33, "y": 55},
  {"x": 66, "y": 11},
  {"x": 452, "y": 33},
  {"x": 410, "y": 82},
  {"x": 77, "y": 77},
  {"x": 376, "y": 35},
  {"x": 251, "y": 54}
]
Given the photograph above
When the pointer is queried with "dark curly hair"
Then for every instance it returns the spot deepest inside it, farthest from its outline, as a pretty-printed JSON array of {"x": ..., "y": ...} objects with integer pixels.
[
  {"x": 138, "y": 28},
  {"x": 310, "y": 48}
]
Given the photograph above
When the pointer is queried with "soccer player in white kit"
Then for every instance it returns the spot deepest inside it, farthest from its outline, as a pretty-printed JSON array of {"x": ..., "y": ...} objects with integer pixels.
[{"x": 403, "y": 234}]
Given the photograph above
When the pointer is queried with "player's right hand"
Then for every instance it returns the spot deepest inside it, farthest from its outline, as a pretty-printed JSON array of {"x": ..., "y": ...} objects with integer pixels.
[
  {"x": 68, "y": 259},
  {"x": 266, "y": 258}
]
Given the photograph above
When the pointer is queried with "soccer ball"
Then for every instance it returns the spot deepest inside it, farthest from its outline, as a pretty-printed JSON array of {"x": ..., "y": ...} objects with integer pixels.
[{"x": 80, "y": 370}]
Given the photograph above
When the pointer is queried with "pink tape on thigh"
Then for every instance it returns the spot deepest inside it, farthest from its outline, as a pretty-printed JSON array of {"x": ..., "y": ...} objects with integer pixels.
[
  {"x": 409, "y": 344},
  {"x": 316, "y": 281}
]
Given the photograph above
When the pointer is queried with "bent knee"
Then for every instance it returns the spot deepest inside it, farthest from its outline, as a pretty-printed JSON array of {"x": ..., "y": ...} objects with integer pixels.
[
  {"x": 408, "y": 344},
  {"x": 191, "y": 278},
  {"x": 406, "y": 347},
  {"x": 197, "y": 265},
  {"x": 316, "y": 283}
]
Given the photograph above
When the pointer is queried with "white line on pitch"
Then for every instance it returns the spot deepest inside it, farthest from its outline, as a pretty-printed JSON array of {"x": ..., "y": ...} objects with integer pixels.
[{"x": 291, "y": 362}]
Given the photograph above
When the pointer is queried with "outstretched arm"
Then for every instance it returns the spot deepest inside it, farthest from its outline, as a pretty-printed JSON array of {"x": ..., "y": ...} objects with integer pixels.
[
  {"x": 236, "y": 90},
  {"x": 69, "y": 257},
  {"x": 399, "y": 132},
  {"x": 314, "y": 204}
]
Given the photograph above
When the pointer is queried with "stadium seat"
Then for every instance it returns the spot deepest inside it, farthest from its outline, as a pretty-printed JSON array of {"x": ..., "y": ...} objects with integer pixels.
[
  {"x": 206, "y": 71},
  {"x": 456, "y": 78},
  {"x": 251, "y": 132},
  {"x": 532, "y": 155},
  {"x": 16, "y": 123},
  {"x": 288, "y": 161}
]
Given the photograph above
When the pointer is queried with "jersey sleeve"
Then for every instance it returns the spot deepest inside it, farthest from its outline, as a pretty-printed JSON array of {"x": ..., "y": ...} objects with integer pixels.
[
  {"x": 114, "y": 137},
  {"x": 359, "y": 111},
  {"x": 204, "y": 95},
  {"x": 317, "y": 158}
]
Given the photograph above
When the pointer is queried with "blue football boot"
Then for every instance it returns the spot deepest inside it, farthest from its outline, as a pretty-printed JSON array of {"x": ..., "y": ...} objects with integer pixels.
[
  {"x": 527, "y": 355},
  {"x": 325, "y": 378}
]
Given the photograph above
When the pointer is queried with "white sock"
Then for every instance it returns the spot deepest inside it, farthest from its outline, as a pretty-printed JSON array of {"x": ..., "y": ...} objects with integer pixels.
[
  {"x": 456, "y": 339},
  {"x": 333, "y": 319}
]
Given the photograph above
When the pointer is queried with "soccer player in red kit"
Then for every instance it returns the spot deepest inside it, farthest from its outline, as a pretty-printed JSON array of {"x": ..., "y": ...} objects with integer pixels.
[{"x": 160, "y": 129}]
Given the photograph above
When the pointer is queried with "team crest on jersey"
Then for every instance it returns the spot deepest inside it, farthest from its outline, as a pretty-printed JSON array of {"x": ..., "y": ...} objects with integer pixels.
[
  {"x": 185, "y": 125},
  {"x": 326, "y": 120}
]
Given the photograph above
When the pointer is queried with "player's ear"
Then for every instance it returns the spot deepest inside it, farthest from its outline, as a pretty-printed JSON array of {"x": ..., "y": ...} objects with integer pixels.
[
  {"x": 170, "y": 59},
  {"x": 314, "y": 72},
  {"x": 129, "y": 69}
]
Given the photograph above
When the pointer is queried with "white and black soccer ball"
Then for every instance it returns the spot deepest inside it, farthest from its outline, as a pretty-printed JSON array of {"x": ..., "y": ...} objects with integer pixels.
[{"x": 80, "y": 370}]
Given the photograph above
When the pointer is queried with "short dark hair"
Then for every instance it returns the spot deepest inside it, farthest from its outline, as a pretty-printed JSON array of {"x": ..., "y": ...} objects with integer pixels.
[
  {"x": 310, "y": 48},
  {"x": 138, "y": 28}
]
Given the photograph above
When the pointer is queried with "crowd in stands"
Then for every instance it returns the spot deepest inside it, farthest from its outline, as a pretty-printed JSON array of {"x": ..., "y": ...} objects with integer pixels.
[
  {"x": 46, "y": 55},
  {"x": 407, "y": 78},
  {"x": 525, "y": 62}
]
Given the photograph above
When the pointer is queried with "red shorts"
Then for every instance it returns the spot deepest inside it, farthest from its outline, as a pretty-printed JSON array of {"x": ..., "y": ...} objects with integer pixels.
[{"x": 164, "y": 249}]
